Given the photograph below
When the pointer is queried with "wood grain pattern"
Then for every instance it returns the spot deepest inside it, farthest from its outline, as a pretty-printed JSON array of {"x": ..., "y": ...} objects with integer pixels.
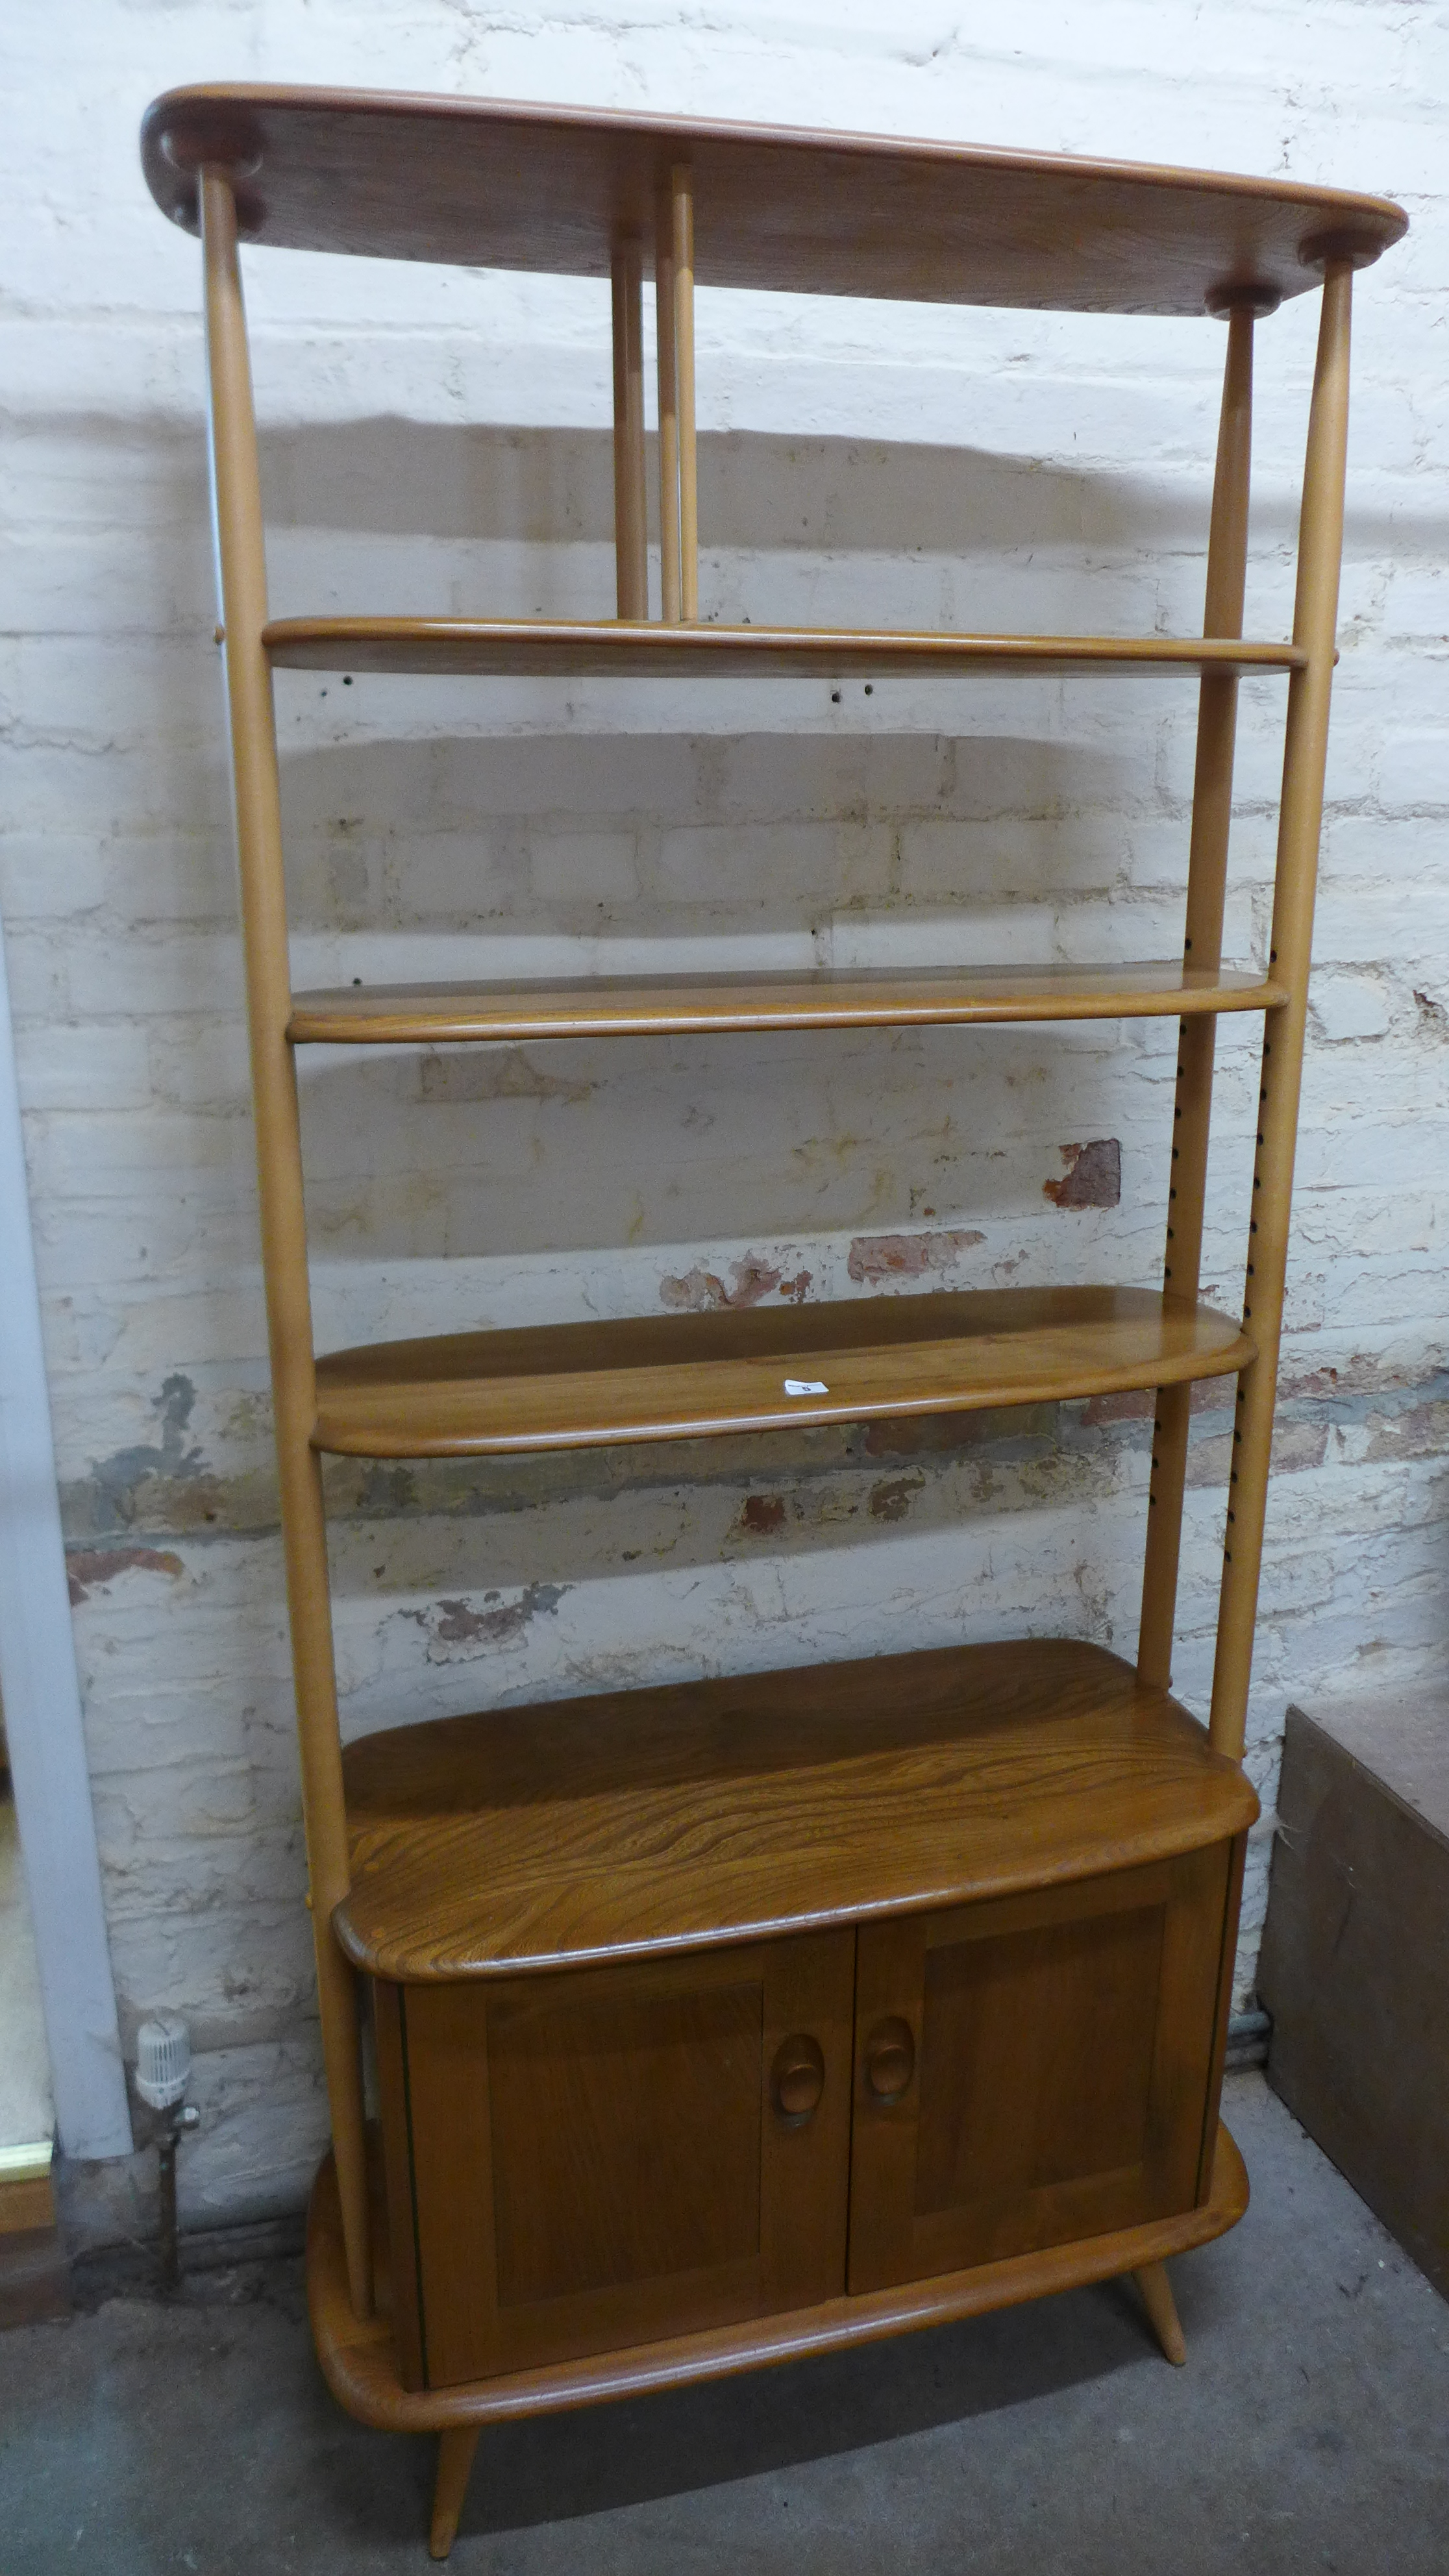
[
  {"x": 357, "y": 2358},
  {"x": 1062, "y": 2046},
  {"x": 715, "y": 1811},
  {"x": 626, "y": 2128},
  {"x": 496, "y": 184},
  {"x": 674, "y": 1377},
  {"x": 597, "y": 2160},
  {"x": 823, "y": 998},
  {"x": 544, "y": 648}
]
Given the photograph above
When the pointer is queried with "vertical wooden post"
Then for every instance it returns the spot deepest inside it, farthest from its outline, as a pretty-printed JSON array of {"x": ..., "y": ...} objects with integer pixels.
[
  {"x": 631, "y": 549},
  {"x": 682, "y": 227},
  {"x": 666, "y": 320},
  {"x": 242, "y": 582},
  {"x": 1212, "y": 802},
  {"x": 1320, "y": 543}
]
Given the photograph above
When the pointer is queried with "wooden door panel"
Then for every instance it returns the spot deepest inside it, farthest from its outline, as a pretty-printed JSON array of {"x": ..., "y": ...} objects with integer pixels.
[
  {"x": 1074, "y": 2084},
  {"x": 1062, "y": 2048},
  {"x": 597, "y": 2158},
  {"x": 625, "y": 2135}
]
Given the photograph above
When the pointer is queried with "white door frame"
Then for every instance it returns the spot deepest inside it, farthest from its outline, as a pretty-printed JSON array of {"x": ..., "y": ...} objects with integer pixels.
[{"x": 41, "y": 1691}]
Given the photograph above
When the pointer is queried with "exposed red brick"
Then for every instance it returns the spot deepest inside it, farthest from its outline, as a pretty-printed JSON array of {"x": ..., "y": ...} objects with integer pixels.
[
  {"x": 1093, "y": 1176},
  {"x": 892, "y": 1500},
  {"x": 762, "y": 1514},
  {"x": 1139, "y": 1404},
  {"x": 917, "y": 1435},
  {"x": 87, "y": 1565},
  {"x": 1298, "y": 1447},
  {"x": 702, "y": 1292},
  {"x": 1133, "y": 1404},
  {"x": 1360, "y": 1375},
  {"x": 873, "y": 1257},
  {"x": 1422, "y": 1431}
]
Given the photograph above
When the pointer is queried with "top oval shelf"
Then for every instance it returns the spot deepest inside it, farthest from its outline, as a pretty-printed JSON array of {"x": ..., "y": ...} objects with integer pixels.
[{"x": 487, "y": 183}]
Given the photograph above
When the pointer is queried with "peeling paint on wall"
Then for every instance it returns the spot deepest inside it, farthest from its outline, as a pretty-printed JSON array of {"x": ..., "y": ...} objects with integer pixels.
[{"x": 454, "y": 1626}]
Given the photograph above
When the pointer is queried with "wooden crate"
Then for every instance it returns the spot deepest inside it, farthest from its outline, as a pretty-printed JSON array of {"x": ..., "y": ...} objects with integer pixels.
[{"x": 1355, "y": 1964}]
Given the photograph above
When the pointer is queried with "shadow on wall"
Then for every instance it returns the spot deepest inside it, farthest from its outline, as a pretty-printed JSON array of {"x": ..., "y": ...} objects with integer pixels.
[
  {"x": 394, "y": 477},
  {"x": 832, "y": 839},
  {"x": 568, "y": 1147},
  {"x": 671, "y": 835}
]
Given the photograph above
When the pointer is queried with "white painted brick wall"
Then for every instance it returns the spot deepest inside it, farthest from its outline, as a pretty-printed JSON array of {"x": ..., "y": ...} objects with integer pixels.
[{"x": 437, "y": 440}]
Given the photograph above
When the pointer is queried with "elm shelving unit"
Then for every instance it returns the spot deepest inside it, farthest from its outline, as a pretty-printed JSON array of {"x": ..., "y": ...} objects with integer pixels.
[{"x": 728, "y": 2022}]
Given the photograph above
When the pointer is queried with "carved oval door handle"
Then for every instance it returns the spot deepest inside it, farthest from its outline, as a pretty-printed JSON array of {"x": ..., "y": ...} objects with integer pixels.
[
  {"x": 797, "y": 2078},
  {"x": 890, "y": 2060}
]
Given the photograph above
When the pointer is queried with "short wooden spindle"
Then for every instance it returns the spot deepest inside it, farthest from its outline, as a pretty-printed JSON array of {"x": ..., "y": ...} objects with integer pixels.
[
  {"x": 682, "y": 246},
  {"x": 666, "y": 322},
  {"x": 631, "y": 537}
]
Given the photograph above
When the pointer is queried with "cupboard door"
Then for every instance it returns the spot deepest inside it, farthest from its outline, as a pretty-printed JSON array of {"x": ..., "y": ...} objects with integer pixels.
[
  {"x": 1035, "y": 2069},
  {"x": 608, "y": 2155}
]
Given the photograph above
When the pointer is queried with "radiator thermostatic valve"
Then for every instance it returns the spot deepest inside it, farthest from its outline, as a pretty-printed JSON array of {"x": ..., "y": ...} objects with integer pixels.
[
  {"x": 163, "y": 2069},
  {"x": 163, "y": 2060}
]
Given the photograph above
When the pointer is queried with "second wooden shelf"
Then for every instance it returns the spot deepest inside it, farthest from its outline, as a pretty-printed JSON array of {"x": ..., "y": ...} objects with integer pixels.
[
  {"x": 678, "y": 1377},
  {"x": 823, "y": 998},
  {"x": 578, "y": 648}
]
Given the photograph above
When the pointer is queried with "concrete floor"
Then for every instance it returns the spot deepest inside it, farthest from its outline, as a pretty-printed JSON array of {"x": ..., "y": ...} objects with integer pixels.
[{"x": 1308, "y": 2430}]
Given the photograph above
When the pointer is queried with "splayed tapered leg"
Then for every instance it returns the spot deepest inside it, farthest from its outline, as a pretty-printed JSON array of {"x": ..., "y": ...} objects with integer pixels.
[
  {"x": 455, "y": 2459},
  {"x": 1161, "y": 2307}
]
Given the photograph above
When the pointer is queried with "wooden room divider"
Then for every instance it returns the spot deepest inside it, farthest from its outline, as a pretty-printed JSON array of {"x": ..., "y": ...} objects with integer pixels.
[{"x": 728, "y": 2022}]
